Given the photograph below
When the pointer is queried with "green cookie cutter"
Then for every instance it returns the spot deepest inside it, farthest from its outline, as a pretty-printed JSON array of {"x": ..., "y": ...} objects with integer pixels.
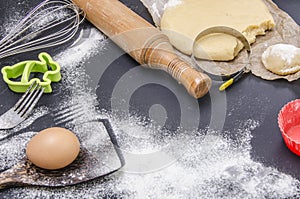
[{"x": 46, "y": 65}]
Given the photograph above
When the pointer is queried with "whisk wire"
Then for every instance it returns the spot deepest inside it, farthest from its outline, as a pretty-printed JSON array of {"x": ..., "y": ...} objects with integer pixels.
[
  {"x": 51, "y": 23},
  {"x": 14, "y": 32},
  {"x": 73, "y": 24}
]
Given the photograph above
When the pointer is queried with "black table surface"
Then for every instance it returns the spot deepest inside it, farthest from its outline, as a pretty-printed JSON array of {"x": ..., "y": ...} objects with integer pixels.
[{"x": 251, "y": 97}]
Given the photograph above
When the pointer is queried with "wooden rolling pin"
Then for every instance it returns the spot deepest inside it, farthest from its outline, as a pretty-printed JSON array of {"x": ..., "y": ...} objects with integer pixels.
[{"x": 145, "y": 43}]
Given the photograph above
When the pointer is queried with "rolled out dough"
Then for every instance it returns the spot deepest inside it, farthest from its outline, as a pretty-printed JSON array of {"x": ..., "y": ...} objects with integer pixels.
[{"x": 182, "y": 24}]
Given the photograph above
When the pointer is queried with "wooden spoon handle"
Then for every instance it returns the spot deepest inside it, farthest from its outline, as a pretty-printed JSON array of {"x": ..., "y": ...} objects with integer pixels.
[{"x": 145, "y": 43}]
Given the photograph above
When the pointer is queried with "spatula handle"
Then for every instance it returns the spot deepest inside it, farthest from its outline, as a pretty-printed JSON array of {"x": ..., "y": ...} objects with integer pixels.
[{"x": 145, "y": 43}]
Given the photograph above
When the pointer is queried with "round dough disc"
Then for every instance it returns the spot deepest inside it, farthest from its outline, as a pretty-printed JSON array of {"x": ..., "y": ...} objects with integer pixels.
[{"x": 282, "y": 59}]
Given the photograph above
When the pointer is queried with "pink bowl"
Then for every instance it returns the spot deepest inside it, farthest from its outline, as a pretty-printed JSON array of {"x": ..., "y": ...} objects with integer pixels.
[{"x": 289, "y": 124}]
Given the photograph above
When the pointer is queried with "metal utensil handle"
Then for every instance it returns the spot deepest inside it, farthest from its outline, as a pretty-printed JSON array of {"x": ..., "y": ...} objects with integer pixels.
[{"x": 229, "y": 31}]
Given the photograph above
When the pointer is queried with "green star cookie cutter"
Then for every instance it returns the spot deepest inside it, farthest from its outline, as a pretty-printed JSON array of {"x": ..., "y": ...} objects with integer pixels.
[{"x": 49, "y": 68}]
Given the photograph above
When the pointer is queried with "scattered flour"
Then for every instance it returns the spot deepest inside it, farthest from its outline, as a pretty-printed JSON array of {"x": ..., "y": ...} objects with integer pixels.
[
  {"x": 213, "y": 167},
  {"x": 10, "y": 24},
  {"x": 210, "y": 166},
  {"x": 89, "y": 44}
]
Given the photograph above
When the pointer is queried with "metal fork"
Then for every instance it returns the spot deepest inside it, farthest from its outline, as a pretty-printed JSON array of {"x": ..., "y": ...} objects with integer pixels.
[
  {"x": 22, "y": 108},
  {"x": 60, "y": 117}
]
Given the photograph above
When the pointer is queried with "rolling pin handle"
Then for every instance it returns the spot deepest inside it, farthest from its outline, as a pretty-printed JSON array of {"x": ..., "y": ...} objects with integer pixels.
[
  {"x": 195, "y": 82},
  {"x": 142, "y": 41}
]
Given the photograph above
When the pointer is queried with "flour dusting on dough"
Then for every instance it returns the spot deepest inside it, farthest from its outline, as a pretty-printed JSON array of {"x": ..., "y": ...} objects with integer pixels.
[
  {"x": 282, "y": 59},
  {"x": 172, "y": 3},
  {"x": 285, "y": 51}
]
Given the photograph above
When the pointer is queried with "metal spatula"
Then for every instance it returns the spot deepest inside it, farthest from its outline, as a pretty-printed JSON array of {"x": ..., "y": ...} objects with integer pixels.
[{"x": 87, "y": 166}]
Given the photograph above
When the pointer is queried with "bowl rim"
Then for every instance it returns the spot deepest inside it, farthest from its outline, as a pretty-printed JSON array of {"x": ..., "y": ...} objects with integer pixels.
[{"x": 284, "y": 134}]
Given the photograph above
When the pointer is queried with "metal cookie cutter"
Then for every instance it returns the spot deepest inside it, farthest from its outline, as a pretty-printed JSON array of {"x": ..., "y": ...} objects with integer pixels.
[
  {"x": 23, "y": 70},
  {"x": 229, "y": 78}
]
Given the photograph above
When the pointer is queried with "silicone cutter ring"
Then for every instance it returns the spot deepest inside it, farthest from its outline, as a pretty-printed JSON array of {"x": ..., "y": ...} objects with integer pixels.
[
  {"x": 233, "y": 77},
  {"x": 49, "y": 68}
]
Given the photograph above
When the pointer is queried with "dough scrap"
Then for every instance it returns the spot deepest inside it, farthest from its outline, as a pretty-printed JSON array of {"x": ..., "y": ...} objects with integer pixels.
[
  {"x": 282, "y": 59},
  {"x": 182, "y": 24}
]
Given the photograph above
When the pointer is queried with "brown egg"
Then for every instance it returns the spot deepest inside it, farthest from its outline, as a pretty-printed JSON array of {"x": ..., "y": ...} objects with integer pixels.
[{"x": 53, "y": 148}]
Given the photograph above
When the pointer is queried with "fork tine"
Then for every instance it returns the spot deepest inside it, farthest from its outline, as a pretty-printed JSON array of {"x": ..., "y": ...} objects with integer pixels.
[
  {"x": 22, "y": 108},
  {"x": 68, "y": 118},
  {"x": 69, "y": 114},
  {"x": 37, "y": 93},
  {"x": 27, "y": 97},
  {"x": 68, "y": 110},
  {"x": 24, "y": 95}
]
